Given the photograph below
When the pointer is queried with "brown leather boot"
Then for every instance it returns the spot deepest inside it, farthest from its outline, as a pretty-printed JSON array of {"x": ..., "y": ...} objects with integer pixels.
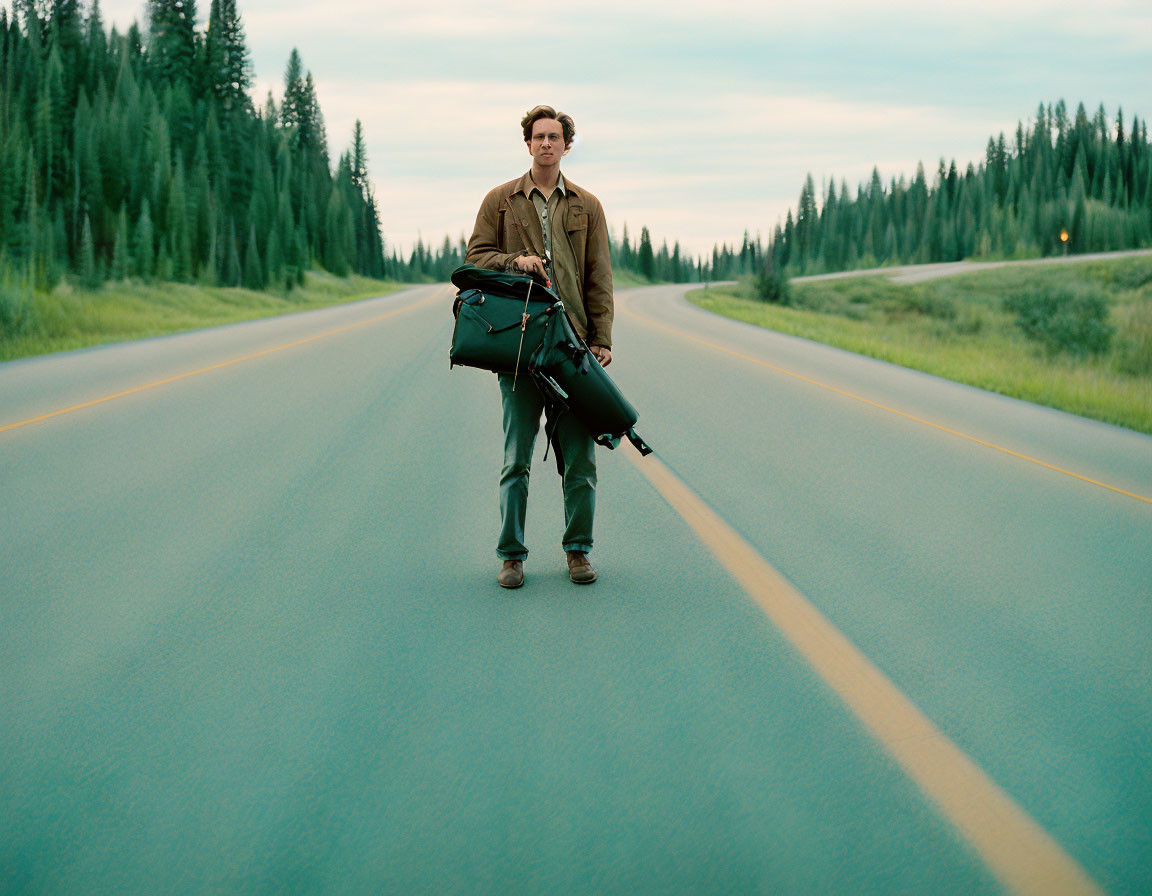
[
  {"x": 580, "y": 569},
  {"x": 511, "y": 574}
]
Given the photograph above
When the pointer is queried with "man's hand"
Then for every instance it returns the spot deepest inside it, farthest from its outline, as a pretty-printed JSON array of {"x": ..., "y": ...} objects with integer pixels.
[
  {"x": 601, "y": 354},
  {"x": 531, "y": 264}
]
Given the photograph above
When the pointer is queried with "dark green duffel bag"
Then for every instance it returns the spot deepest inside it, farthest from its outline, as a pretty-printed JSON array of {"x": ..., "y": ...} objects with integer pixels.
[
  {"x": 495, "y": 333},
  {"x": 565, "y": 369},
  {"x": 510, "y": 323},
  {"x": 501, "y": 319}
]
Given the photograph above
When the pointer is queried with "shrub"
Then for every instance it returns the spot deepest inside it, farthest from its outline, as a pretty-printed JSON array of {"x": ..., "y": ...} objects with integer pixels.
[
  {"x": 1134, "y": 349},
  {"x": 1134, "y": 273},
  {"x": 17, "y": 312},
  {"x": 925, "y": 302},
  {"x": 771, "y": 284},
  {"x": 1070, "y": 318},
  {"x": 970, "y": 322}
]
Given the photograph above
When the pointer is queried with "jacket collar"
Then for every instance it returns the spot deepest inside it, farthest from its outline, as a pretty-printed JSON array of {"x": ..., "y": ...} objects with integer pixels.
[
  {"x": 525, "y": 213},
  {"x": 525, "y": 185}
]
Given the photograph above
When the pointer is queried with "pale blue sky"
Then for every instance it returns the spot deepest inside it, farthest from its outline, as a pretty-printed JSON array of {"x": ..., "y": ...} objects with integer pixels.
[{"x": 698, "y": 121}]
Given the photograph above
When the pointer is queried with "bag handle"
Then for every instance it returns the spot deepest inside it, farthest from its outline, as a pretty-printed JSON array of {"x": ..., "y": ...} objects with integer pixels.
[{"x": 609, "y": 441}]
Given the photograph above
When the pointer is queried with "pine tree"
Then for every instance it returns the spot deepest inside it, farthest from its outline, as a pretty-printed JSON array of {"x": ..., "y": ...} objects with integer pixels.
[
  {"x": 144, "y": 254},
  {"x": 807, "y": 220},
  {"x": 339, "y": 243},
  {"x": 230, "y": 270},
  {"x": 302, "y": 256},
  {"x": 311, "y": 134},
  {"x": 172, "y": 43},
  {"x": 274, "y": 258},
  {"x": 359, "y": 161},
  {"x": 98, "y": 59},
  {"x": 121, "y": 258},
  {"x": 1077, "y": 209},
  {"x": 210, "y": 269},
  {"x": 89, "y": 272},
  {"x": 627, "y": 256},
  {"x": 176, "y": 226},
  {"x": 645, "y": 261},
  {"x": 200, "y": 210},
  {"x": 228, "y": 67},
  {"x": 49, "y": 129},
  {"x": 294, "y": 108},
  {"x": 254, "y": 277},
  {"x": 66, "y": 36}
]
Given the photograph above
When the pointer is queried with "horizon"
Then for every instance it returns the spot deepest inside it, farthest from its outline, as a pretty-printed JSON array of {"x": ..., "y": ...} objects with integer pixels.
[{"x": 776, "y": 94}]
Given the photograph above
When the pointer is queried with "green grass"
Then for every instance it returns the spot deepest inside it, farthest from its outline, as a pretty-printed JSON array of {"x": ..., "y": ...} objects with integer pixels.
[
  {"x": 965, "y": 328},
  {"x": 70, "y": 318},
  {"x": 622, "y": 279}
]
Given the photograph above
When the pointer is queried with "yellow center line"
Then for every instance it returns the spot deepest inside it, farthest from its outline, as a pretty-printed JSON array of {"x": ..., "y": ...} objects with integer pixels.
[
  {"x": 1020, "y": 853},
  {"x": 890, "y": 410},
  {"x": 221, "y": 365}
]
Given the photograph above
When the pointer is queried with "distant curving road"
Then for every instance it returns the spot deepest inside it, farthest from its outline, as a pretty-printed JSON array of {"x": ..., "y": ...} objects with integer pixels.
[
  {"x": 919, "y": 273},
  {"x": 858, "y": 629}
]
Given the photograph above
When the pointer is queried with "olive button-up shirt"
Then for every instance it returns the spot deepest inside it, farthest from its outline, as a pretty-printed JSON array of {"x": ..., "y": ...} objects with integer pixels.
[
  {"x": 562, "y": 268},
  {"x": 547, "y": 209}
]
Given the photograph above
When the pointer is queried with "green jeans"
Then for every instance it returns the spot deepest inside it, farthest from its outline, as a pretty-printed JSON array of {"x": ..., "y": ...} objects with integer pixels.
[{"x": 522, "y": 411}]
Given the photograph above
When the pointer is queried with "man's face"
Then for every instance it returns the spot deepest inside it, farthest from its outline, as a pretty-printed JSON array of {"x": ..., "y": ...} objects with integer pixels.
[{"x": 547, "y": 144}]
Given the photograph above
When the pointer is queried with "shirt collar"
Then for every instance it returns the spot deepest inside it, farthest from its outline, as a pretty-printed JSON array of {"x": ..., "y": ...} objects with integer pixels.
[{"x": 526, "y": 185}]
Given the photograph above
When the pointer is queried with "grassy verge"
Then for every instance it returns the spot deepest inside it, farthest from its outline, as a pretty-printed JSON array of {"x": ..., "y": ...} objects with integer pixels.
[
  {"x": 622, "y": 279},
  {"x": 1074, "y": 337},
  {"x": 70, "y": 318}
]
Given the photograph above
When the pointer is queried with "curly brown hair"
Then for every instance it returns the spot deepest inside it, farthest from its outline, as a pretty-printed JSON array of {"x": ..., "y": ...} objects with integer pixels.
[{"x": 534, "y": 114}]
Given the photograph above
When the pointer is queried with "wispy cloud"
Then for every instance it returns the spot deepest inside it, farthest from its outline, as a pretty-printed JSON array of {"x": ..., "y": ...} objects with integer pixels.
[{"x": 743, "y": 156}]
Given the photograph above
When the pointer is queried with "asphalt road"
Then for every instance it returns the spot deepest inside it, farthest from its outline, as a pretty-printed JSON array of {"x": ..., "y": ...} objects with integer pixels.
[
  {"x": 252, "y": 639},
  {"x": 918, "y": 273}
]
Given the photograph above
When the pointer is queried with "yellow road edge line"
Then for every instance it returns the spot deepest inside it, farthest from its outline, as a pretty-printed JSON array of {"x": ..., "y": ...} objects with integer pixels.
[
  {"x": 222, "y": 364},
  {"x": 1021, "y": 854},
  {"x": 890, "y": 410}
]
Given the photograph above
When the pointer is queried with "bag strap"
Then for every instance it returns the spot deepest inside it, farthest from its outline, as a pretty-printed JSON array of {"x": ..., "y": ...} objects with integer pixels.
[
  {"x": 493, "y": 330},
  {"x": 523, "y": 327},
  {"x": 554, "y": 392},
  {"x": 555, "y": 401}
]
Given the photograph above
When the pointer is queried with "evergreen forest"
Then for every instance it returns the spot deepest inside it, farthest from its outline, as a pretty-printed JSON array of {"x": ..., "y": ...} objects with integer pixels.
[
  {"x": 1064, "y": 185},
  {"x": 641, "y": 260},
  {"x": 141, "y": 155},
  {"x": 125, "y": 156}
]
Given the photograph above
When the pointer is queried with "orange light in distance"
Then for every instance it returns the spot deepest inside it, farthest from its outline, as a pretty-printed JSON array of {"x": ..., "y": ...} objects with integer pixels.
[{"x": 1063, "y": 236}]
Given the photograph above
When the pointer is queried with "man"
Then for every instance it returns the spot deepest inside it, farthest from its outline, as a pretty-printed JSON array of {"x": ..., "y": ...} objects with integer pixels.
[{"x": 544, "y": 225}]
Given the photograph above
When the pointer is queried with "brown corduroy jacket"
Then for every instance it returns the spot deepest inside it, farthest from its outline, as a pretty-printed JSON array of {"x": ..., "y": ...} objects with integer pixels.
[{"x": 507, "y": 225}]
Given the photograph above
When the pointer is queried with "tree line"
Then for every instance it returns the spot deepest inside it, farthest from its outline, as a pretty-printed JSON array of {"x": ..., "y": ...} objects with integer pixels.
[
  {"x": 143, "y": 156},
  {"x": 661, "y": 265},
  {"x": 1064, "y": 185}
]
